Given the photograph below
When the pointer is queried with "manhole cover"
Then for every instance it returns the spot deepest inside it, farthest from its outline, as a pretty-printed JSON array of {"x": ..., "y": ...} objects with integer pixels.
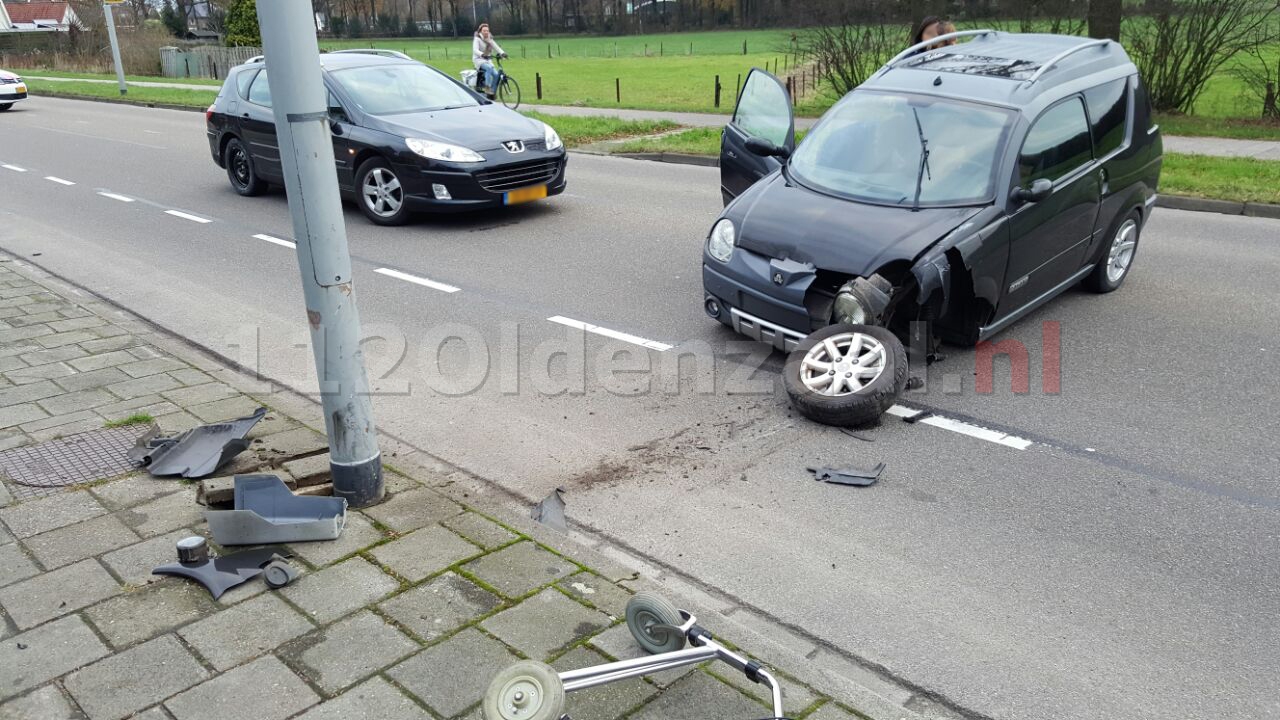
[{"x": 72, "y": 460}]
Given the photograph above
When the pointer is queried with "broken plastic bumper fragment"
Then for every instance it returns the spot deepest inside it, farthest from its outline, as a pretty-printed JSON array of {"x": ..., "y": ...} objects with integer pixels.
[
  {"x": 847, "y": 476},
  {"x": 196, "y": 452},
  {"x": 221, "y": 574},
  {"x": 267, "y": 512}
]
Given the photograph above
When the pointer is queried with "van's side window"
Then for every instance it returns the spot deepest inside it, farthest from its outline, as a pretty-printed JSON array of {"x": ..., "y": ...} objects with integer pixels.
[
  {"x": 260, "y": 90},
  {"x": 1058, "y": 143},
  {"x": 1108, "y": 113}
]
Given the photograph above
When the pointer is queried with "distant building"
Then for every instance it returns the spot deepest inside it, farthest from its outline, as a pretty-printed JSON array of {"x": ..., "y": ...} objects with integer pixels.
[
  {"x": 37, "y": 17},
  {"x": 5, "y": 23},
  {"x": 201, "y": 21}
]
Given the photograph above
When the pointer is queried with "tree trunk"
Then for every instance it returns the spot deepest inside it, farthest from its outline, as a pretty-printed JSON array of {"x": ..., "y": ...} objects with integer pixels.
[{"x": 1104, "y": 18}]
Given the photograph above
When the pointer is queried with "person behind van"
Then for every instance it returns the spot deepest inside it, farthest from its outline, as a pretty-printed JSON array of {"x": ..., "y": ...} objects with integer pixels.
[
  {"x": 929, "y": 28},
  {"x": 946, "y": 27},
  {"x": 483, "y": 48}
]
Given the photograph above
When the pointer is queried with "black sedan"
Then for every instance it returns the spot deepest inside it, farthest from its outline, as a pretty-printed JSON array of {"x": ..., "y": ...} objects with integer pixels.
[{"x": 406, "y": 138}]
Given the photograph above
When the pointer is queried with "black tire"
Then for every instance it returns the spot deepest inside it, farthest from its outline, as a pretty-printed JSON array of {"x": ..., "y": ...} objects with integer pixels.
[
  {"x": 1101, "y": 280},
  {"x": 509, "y": 92},
  {"x": 379, "y": 210},
  {"x": 240, "y": 171},
  {"x": 5, "y": 106},
  {"x": 861, "y": 407}
]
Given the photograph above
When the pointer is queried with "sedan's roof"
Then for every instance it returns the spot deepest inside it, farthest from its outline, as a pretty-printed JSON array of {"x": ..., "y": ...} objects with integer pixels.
[{"x": 339, "y": 61}]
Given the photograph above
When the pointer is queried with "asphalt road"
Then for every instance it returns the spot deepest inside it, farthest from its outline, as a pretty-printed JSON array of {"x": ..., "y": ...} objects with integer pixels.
[{"x": 1110, "y": 551}]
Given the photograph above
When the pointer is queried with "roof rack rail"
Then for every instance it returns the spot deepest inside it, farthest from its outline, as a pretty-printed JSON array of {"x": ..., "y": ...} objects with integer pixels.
[
  {"x": 256, "y": 58},
  {"x": 1046, "y": 67},
  {"x": 928, "y": 43}
]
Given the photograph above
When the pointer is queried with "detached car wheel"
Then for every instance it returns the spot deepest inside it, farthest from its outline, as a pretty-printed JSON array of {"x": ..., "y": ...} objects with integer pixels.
[
  {"x": 240, "y": 171},
  {"x": 846, "y": 375},
  {"x": 382, "y": 196},
  {"x": 1114, "y": 266}
]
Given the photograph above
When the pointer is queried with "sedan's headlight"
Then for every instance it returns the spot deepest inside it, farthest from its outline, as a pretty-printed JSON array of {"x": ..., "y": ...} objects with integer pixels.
[
  {"x": 553, "y": 138},
  {"x": 720, "y": 243},
  {"x": 443, "y": 151}
]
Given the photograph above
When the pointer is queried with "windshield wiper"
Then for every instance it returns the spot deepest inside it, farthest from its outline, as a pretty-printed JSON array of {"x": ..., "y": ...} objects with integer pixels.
[{"x": 924, "y": 161}]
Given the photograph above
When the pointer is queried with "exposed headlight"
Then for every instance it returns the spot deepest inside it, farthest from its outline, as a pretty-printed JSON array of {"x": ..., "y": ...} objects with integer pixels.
[
  {"x": 443, "y": 151},
  {"x": 720, "y": 243},
  {"x": 553, "y": 138}
]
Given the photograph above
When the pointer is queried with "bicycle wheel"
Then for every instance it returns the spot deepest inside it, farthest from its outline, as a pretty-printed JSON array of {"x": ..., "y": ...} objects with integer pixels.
[{"x": 509, "y": 92}]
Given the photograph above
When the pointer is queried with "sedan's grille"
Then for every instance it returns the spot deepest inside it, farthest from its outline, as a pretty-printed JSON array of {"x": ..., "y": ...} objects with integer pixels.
[{"x": 510, "y": 177}]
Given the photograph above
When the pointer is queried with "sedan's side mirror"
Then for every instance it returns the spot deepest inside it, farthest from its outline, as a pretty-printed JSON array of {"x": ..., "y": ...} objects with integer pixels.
[
  {"x": 335, "y": 127},
  {"x": 1039, "y": 190},
  {"x": 764, "y": 148}
]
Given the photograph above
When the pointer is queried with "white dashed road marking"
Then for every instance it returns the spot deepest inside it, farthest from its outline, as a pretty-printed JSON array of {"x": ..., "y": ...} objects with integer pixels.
[
  {"x": 606, "y": 332},
  {"x": 187, "y": 216},
  {"x": 284, "y": 243},
  {"x": 417, "y": 280},
  {"x": 14, "y": 168},
  {"x": 114, "y": 196},
  {"x": 58, "y": 180},
  {"x": 964, "y": 428}
]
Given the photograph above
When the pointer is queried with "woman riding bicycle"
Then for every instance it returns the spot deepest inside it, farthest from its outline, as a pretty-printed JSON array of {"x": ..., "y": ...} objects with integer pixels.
[{"x": 483, "y": 49}]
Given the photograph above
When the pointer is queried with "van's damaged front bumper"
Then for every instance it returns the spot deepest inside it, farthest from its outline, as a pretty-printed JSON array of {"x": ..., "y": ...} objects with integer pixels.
[{"x": 762, "y": 298}]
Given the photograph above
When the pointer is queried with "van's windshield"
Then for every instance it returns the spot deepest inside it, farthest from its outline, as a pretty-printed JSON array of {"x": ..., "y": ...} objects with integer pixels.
[{"x": 868, "y": 148}]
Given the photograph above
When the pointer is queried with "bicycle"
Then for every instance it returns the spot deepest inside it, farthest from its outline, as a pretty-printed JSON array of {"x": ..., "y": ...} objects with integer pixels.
[{"x": 508, "y": 92}]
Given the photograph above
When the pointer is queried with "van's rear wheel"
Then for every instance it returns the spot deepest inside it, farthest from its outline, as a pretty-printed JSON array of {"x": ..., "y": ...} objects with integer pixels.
[
  {"x": 846, "y": 375},
  {"x": 1114, "y": 265}
]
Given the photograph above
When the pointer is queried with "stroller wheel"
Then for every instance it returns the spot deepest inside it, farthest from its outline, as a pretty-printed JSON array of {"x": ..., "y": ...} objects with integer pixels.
[
  {"x": 527, "y": 690},
  {"x": 652, "y": 620}
]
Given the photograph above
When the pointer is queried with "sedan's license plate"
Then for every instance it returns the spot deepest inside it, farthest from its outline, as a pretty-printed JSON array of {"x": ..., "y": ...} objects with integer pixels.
[{"x": 515, "y": 197}]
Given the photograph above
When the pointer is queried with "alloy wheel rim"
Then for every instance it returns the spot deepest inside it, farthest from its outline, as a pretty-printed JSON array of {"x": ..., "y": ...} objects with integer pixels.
[
  {"x": 1123, "y": 246},
  {"x": 382, "y": 193},
  {"x": 843, "y": 364}
]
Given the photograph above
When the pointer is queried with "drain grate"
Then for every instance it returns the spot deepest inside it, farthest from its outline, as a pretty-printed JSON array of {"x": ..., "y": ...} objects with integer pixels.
[{"x": 46, "y": 468}]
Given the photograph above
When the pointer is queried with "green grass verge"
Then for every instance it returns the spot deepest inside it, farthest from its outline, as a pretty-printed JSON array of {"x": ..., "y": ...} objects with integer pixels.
[
  {"x": 1218, "y": 127},
  {"x": 134, "y": 419},
  {"x": 699, "y": 141},
  {"x": 1239, "y": 179},
  {"x": 40, "y": 72},
  {"x": 139, "y": 95},
  {"x": 575, "y": 131}
]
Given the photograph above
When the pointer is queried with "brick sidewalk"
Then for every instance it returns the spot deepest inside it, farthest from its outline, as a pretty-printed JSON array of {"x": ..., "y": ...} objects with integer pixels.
[{"x": 406, "y": 615}]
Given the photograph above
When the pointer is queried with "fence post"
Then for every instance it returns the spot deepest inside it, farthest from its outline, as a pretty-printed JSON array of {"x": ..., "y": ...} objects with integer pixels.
[
  {"x": 790, "y": 90},
  {"x": 548, "y": 51},
  {"x": 717, "y": 91},
  {"x": 428, "y": 52},
  {"x": 617, "y": 89},
  {"x": 538, "y": 78},
  {"x": 660, "y": 49},
  {"x": 744, "y": 47},
  {"x": 690, "y": 48}
]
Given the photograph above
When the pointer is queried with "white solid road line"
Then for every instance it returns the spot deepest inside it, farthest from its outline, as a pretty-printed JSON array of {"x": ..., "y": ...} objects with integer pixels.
[
  {"x": 417, "y": 280},
  {"x": 284, "y": 243},
  {"x": 187, "y": 216},
  {"x": 58, "y": 180},
  {"x": 964, "y": 428},
  {"x": 114, "y": 196},
  {"x": 14, "y": 168},
  {"x": 633, "y": 339}
]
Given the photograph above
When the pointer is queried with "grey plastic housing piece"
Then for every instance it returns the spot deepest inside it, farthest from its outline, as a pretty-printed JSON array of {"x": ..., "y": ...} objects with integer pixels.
[
  {"x": 266, "y": 512},
  {"x": 196, "y": 452},
  {"x": 220, "y": 574}
]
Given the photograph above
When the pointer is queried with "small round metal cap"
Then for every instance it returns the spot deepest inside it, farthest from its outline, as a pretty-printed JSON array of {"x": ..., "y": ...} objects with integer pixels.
[{"x": 193, "y": 549}]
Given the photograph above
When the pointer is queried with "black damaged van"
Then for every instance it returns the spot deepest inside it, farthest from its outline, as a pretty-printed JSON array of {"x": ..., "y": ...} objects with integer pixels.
[{"x": 961, "y": 186}]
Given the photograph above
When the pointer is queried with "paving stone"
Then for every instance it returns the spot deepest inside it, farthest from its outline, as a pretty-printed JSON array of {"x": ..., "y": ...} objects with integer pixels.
[
  {"x": 15, "y": 565},
  {"x": 452, "y": 676},
  {"x": 602, "y": 594},
  {"x": 53, "y": 594},
  {"x": 47, "y": 703},
  {"x": 700, "y": 697},
  {"x": 62, "y": 354},
  {"x": 358, "y": 534},
  {"x": 264, "y": 687},
  {"x": 50, "y": 371},
  {"x": 134, "y": 679},
  {"x": 50, "y": 651},
  {"x": 795, "y": 698},
  {"x": 133, "y": 490},
  {"x": 101, "y": 360},
  {"x": 424, "y": 552},
  {"x": 77, "y": 542},
  {"x": 545, "y": 623},
  {"x": 519, "y": 569},
  {"x": 255, "y": 626},
  {"x": 831, "y": 711},
  {"x": 439, "y": 607},
  {"x": 133, "y": 564},
  {"x": 155, "y": 366},
  {"x": 413, "y": 509},
  {"x": 73, "y": 401},
  {"x": 14, "y": 335},
  {"x": 11, "y": 363},
  {"x": 347, "y": 651},
  {"x": 24, "y": 319},
  {"x": 199, "y": 394},
  {"x": 190, "y": 376},
  {"x": 134, "y": 405},
  {"x": 55, "y": 511},
  {"x": 92, "y": 379},
  {"x": 66, "y": 430},
  {"x": 315, "y": 467},
  {"x": 143, "y": 614},
  {"x": 29, "y": 393},
  {"x": 165, "y": 513},
  {"x": 155, "y": 713},
  {"x": 55, "y": 421},
  {"x": 219, "y": 410},
  {"x": 6, "y": 537},
  {"x": 605, "y": 702},
  {"x": 66, "y": 338},
  {"x": 110, "y": 344},
  {"x": 617, "y": 643},
  {"x": 11, "y": 438},
  {"x": 9, "y": 312},
  {"x": 20, "y": 414},
  {"x": 328, "y": 594},
  {"x": 67, "y": 325},
  {"x": 479, "y": 529},
  {"x": 373, "y": 699},
  {"x": 143, "y": 386},
  {"x": 145, "y": 352},
  {"x": 153, "y": 409},
  {"x": 177, "y": 422},
  {"x": 17, "y": 301}
]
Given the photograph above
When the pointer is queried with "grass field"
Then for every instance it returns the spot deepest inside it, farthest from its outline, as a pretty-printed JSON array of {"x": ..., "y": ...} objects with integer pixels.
[
  {"x": 40, "y": 72},
  {"x": 576, "y": 131},
  {"x": 141, "y": 95}
]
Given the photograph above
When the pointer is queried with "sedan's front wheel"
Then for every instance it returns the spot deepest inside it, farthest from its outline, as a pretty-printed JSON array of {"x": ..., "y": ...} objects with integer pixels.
[
  {"x": 382, "y": 196},
  {"x": 846, "y": 375}
]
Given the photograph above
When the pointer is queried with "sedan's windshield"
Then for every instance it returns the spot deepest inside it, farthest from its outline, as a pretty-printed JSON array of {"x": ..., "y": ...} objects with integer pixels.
[
  {"x": 869, "y": 147},
  {"x": 393, "y": 89}
]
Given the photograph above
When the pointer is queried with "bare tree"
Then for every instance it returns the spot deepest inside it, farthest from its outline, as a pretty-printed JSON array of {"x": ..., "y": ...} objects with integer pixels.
[
  {"x": 847, "y": 54},
  {"x": 1259, "y": 71}
]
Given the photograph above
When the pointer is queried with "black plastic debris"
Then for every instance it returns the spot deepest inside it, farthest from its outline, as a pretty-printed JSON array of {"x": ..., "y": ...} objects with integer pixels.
[
  {"x": 197, "y": 452},
  {"x": 550, "y": 511},
  {"x": 220, "y": 574},
  {"x": 267, "y": 512},
  {"x": 847, "y": 476}
]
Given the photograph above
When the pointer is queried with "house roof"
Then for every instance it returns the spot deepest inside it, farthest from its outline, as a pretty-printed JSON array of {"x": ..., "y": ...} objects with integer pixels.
[{"x": 32, "y": 12}]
